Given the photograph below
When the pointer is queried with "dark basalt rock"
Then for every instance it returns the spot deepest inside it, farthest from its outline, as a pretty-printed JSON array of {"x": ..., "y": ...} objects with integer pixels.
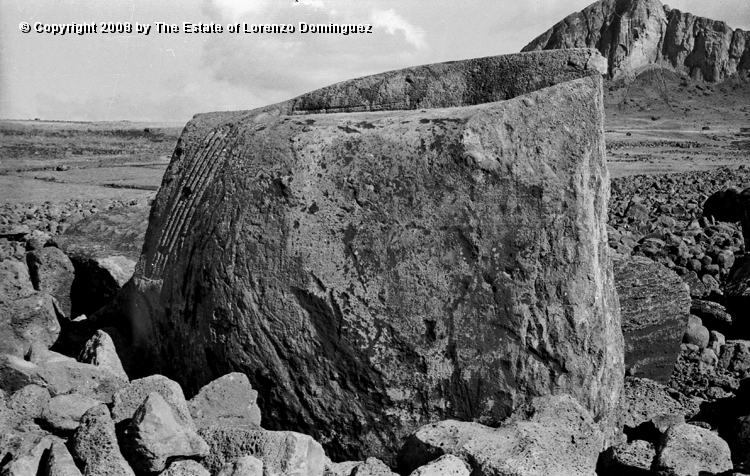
[
  {"x": 654, "y": 305},
  {"x": 723, "y": 205},
  {"x": 104, "y": 248},
  {"x": 714, "y": 316}
]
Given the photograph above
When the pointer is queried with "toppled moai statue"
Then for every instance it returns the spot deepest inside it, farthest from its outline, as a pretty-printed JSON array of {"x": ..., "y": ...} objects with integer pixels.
[{"x": 371, "y": 272}]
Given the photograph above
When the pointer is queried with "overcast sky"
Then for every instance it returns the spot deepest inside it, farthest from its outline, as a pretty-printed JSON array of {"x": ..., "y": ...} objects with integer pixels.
[{"x": 170, "y": 77}]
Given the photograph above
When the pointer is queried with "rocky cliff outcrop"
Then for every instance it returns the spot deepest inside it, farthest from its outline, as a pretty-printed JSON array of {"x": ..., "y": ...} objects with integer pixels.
[
  {"x": 372, "y": 272},
  {"x": 635, "y": 34}
]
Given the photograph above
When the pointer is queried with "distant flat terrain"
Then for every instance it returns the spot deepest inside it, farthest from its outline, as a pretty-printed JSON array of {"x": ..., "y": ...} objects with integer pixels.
[
  {"x": 61, "y": 161},
  {"x": 664, "y": 122},
  {"x": 660, "y": 122}
]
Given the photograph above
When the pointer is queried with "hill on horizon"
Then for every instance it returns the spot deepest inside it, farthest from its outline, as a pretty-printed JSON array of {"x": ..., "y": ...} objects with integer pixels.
[{"x": 634, "y": 35}]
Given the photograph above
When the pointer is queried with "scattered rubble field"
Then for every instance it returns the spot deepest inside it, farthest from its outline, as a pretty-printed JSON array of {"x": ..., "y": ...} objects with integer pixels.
[{"x": 663, "y": 122}]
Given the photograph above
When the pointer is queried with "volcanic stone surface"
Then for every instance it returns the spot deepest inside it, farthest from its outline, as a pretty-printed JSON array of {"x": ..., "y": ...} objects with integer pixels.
[
  {"x": 104, "y": 248},
  {"x": 373, "y": 272},
  {"x": 450, "y": 84},
  {"x": 654, "y": 304}
]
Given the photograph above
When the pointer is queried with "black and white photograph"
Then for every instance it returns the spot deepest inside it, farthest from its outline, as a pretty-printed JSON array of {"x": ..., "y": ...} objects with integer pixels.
[{"x": 374, "y": 238}]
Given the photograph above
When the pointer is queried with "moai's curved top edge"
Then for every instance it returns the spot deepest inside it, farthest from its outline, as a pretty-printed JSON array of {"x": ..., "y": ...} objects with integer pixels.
[{"x": 450, "y": 84}]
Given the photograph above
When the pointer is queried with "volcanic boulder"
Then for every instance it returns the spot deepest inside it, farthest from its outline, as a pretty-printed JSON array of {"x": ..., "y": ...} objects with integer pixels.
[
  {"x": 373, "y": 272},
  {"x": 654, "y": 304},
  {"x": 52, "y": 272},
  {"x": 724, "y": 205},
  {"x": 550, "y": 435},
  {"x": 27, "y": 317},
  {"x": 104, "y": 248}
]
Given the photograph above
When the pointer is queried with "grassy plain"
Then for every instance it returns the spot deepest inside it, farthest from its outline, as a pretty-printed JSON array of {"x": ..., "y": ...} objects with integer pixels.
[
  {"x": 61, "y": 161},
  {"x": 659, "y": 122}
]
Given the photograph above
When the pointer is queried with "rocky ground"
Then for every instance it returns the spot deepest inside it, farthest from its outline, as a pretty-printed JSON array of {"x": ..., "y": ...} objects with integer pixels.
[
  {"x": 27, "y": 226},
  {"x": 77, "y": 408},
  {"x": 659, "y": 217}
]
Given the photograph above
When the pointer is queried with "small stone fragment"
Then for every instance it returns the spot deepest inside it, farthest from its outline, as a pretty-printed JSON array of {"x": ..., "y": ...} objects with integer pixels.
[
  {"x": 127, "y": 400},
  {"x": 95, "y": 445},
  {"x": 26, "y": 455},
  {"x": 552, "y": 435},
  {"x": 229, "y": 400},
  {"x": 372, "y": 467},
  {"x": 186, "y": 468},
  {"x": 26, "y": 321},
  {"x": 696, "y": 333},
  {"x": 282, "y": 452},
  {"x": 344, "y": 468},
  {"x": 16, "y": 373},
  {"x": 68, "y": 376},
  {"x": 60, "y": 462},
  {"x": 52, "y": 272},
  {"x": 64, "y": 412},
  {"x": 628, "y": 457},
  {"x": 446, "y": 465},
  {"x": 687, "y": 450},
  {"x": 100, "y": 351},
  {"x": 154, "y": 436},
  {"x": 645, "y": 400},
  {"x": 244, "y": 466},
  {"x": 30, "y": 402}
]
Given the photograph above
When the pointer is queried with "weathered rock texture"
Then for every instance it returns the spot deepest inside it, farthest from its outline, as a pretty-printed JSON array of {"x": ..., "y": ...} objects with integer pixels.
[
  {"x": 654, "y": 304},
  {"x": 373, "y": 272},
  {"x": 104, "y": 249},
  {"x": 26, "y": 455},
  {"x": 649, "y": 405},
  {"x": 737, "y": 291},
  {"x": 446, "y": 465},
  {"x": 27, "y": 317},
  {"x": 52, "y": 272},
  {"x": 632, "y": 458},
  {"x": 282, "y": 452},
  {"x": 450, "y": 84},
  {"x": 127, "y": 400},
  {"x": 636, "y": 34},
  {"x": 229, "y": 400},
  {"x": 95, "y": 445},
  {"x": 552, "y": 435},
  {"x": 154, "y": 436},
  {"x": 100, "y": 351},
  {"x": 685, "y": 450}
]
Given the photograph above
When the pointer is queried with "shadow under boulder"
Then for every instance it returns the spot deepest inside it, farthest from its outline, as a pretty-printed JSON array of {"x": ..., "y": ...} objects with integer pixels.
[{"x": 104, "y": 248}]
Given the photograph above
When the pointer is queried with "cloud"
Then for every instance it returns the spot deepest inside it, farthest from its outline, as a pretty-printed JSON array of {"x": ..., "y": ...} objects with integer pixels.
[
  {"x": 237, "y": 8},
  {"x": 276, "y": 67},
  {"x": 233, "y": 10},
  {"x": 392, "y": 21},
  {"x": 316, "y": 4}
]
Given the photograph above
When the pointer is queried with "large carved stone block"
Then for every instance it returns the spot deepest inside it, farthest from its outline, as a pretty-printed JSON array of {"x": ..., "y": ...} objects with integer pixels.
[{"x": 374, "y": 272}]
